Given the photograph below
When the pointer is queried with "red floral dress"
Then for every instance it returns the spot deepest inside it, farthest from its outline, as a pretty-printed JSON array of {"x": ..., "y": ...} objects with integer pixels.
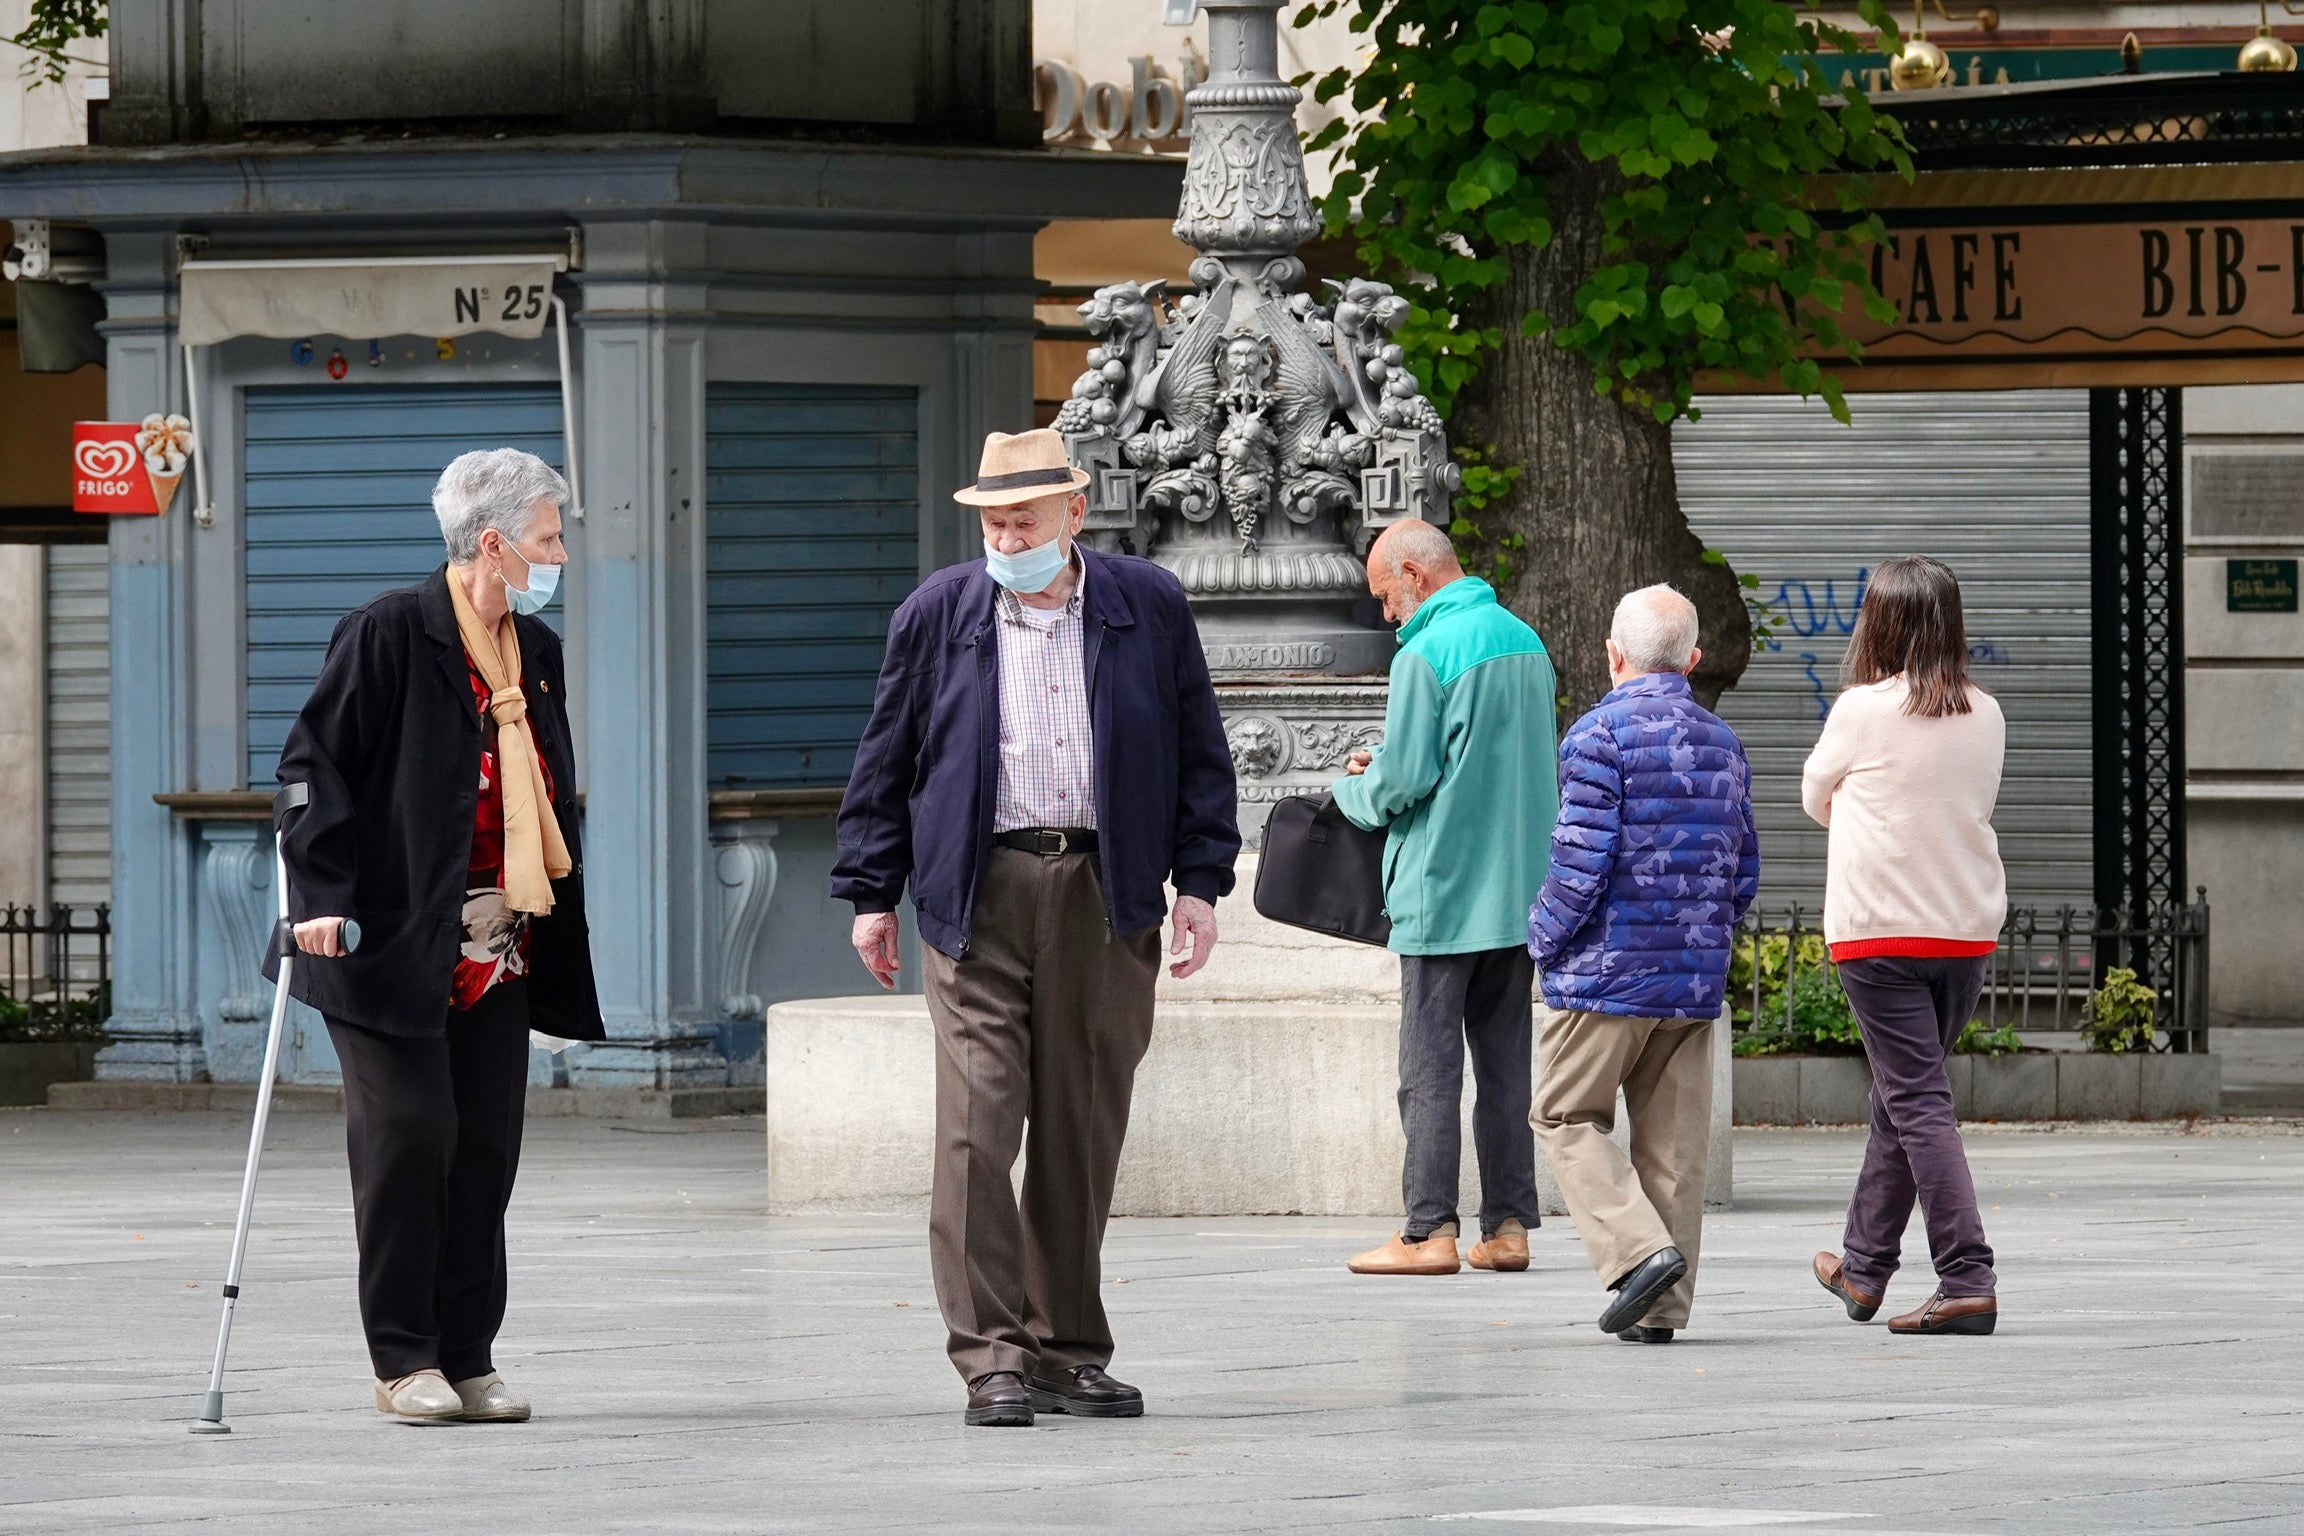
[{"x": 496, "y": 938}]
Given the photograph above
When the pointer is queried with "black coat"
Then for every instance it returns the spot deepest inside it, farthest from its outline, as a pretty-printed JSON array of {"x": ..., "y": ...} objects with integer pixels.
[{"x": 389, "y": 744}]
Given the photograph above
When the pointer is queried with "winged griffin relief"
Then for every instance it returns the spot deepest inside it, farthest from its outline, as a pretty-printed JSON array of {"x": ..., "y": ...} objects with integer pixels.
[{"x": 1293, "y": 419}]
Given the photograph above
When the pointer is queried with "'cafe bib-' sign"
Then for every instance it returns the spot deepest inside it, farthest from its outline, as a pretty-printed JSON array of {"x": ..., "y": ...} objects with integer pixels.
[
  {"x": 129, "y": 466},
  {"x": 2189, "y": 285}
]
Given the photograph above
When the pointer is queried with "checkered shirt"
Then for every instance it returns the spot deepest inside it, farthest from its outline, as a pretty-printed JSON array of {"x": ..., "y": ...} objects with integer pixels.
[{"x": 1047, "y": 746}]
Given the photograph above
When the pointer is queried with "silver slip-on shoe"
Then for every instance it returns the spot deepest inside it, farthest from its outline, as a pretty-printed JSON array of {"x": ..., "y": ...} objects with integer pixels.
[
  {"x": 422, "y": 1398},
  {"x": 488, "y": 1401}
]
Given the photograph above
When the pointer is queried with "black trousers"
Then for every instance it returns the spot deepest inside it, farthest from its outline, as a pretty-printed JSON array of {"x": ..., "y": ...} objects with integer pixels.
[
  {"x": 1446, "y": 1001},
  {"x": 432, "y": 1125}
]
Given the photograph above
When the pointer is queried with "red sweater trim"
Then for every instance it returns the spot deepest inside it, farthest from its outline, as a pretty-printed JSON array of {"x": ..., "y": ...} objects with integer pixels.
[{"x": 1913, "y": 949}]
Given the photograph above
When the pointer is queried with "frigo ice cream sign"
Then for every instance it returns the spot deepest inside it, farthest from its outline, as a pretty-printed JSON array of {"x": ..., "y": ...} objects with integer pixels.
[
  {"x": 2081, "y": 290},
  {"x": 129, "y": 466}
]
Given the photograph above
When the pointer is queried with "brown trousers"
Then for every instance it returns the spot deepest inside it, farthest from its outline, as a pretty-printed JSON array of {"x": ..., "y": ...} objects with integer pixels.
[
  {"x": 1629, "y": 1210},
  {"x": 1038, "y": 1034}
]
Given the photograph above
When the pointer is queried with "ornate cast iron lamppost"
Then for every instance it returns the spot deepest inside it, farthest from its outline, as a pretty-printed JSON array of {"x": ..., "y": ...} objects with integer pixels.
[{"x": 1253, "y": 437}]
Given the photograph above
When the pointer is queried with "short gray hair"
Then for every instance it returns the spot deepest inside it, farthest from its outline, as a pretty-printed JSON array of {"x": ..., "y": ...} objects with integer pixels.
[
  {"x": 492, "y": 488},
  {"x": 1655, "y": 628},
  {"x": 1414, "y": 539}
]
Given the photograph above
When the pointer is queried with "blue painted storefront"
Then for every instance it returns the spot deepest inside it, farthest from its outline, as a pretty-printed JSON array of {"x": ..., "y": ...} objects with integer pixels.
[{"x": 780, "y": 377}]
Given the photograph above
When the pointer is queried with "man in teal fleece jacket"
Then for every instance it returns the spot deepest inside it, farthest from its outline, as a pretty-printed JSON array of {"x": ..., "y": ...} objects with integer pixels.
[{"x": 1466, "y": 784}]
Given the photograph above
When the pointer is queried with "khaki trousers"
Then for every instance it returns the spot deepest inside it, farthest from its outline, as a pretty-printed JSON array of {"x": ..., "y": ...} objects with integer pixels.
[
  {"x": 1629, "y": 1210},
  {"x": 1038, "y": 1035}
]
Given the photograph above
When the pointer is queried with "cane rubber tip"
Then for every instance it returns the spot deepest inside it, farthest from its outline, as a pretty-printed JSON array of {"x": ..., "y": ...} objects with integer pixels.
[
  {"x": 203, "y": 1427},
  {"x": 351, "y": 934}
]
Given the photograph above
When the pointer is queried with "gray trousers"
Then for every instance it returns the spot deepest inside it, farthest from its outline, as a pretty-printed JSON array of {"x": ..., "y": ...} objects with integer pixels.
[
  {"x": 1447, "y": 1001},
  {"x": 1038, "y": 1035}
]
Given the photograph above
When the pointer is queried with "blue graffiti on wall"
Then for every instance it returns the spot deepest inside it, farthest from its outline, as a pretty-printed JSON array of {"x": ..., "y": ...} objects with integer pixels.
[{"x": 1797, "y": 611}]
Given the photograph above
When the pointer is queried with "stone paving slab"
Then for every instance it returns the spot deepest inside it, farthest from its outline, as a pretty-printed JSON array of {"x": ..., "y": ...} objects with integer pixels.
[{"x": 700, "y": 1367}]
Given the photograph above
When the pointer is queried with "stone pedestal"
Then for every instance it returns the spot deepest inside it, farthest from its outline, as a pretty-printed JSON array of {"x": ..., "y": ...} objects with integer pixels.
[
  {"x": 1271, "y": 1088},
  {"x": 1290, "y": 735}
]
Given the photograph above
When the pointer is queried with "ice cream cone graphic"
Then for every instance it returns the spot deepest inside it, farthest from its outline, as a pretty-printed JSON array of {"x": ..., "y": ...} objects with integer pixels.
[{"x": 166, "y": 443}]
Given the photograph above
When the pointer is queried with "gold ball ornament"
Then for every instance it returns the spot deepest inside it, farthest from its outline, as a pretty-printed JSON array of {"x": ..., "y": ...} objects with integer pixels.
[
  {"x": 2265, "y": 54},
  {"x": 1919, "y": 65}
]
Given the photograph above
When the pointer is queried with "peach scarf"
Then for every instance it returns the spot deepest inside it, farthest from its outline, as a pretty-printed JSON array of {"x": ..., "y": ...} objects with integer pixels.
[{"x": 535, "y": 854}]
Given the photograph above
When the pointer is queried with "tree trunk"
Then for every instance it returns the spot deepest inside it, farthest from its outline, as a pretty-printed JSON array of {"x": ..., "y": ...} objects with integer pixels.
[{"x": 1596, "y": 500}]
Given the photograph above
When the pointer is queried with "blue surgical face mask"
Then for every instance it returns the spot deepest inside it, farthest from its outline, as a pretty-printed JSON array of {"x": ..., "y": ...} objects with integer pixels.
[
  {"x": 1031, "y": 571},
  {"x": 543, "y": 581}
]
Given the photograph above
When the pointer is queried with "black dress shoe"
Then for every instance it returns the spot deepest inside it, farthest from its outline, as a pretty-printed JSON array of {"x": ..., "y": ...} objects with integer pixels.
[
  {"x": 1085, "y": 1392},
  {"x": 999, "y": 1400},
  {"x": 1637, "y": 1291},
  {"x": 1641, "y": 1333}
]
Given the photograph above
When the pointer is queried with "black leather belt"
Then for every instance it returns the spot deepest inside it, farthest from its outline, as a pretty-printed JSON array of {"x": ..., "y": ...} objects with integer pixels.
[{"x": 1047, "y": 842}]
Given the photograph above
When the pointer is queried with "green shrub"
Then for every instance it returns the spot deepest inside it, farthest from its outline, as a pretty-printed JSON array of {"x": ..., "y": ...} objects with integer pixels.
[
  {"x": 1819, "y": 1020},
  {"x": 1815, "y": 1021},
  {"x": 2121, "y": 1014},
  {"x": 1976, "y": 1040},
  {"x": 72, "y": 1018}
]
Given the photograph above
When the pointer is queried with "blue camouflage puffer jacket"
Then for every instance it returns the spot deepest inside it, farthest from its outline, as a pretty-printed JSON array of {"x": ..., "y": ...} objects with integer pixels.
[{"x": 1654, "y": 858}]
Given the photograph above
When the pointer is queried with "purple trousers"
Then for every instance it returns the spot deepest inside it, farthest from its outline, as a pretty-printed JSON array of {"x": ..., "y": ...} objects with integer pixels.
[{"x": 1910, "y": 1012}]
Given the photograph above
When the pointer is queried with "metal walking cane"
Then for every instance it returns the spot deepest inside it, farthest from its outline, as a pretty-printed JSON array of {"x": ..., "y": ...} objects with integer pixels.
[{"x": 291, "y": 797}]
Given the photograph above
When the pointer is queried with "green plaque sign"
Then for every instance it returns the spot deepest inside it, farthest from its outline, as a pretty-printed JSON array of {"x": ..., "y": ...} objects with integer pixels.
[{"x": 2259, "y": 586}]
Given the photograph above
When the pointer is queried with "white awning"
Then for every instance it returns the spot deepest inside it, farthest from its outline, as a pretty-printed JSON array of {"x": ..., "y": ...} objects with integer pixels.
[{"x": 365, "y": 300}]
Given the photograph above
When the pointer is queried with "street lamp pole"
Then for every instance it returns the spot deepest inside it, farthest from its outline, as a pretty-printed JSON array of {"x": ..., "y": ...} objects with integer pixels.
[{"x": 1253, "y": 437}]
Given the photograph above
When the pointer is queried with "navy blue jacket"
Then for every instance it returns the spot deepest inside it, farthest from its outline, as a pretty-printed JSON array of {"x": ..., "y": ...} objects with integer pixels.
[
  {"x": 1654, "y": 859},
  {"x": 919, "y": 803}
]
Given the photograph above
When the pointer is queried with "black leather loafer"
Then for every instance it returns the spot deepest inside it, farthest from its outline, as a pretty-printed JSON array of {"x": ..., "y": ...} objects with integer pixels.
[
  {"x": 999, "y": 1401},
  {"x": 1641, "y": 1333},
  {"x": 1085, "y": 1392},
  {"x": 1637, "y": 1291}
]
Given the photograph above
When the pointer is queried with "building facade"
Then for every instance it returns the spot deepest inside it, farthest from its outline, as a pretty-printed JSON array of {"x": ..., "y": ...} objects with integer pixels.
[
  {"x": 806, "y": 264},
  {"x": 793, "y": 314}
]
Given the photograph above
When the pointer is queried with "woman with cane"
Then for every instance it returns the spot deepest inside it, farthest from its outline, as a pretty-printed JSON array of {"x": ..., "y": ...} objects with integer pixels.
[{"x": 442, "y": 816}]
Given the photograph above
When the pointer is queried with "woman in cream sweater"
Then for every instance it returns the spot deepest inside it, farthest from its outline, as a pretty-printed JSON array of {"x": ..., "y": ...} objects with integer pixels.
[{"x": 1905, "y": 776}]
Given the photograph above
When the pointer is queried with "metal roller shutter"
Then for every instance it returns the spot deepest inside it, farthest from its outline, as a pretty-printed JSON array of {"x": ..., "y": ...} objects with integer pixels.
[
  {"x": 79, "y": 724},
  {"x": 338, "y": 498},
  {"x": 813, "y": 537},
  {"x": 1996, "y": 485}
]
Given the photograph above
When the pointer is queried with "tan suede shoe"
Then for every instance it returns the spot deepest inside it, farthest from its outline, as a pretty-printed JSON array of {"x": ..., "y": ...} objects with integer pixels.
[
  {"x": 423, "y": 1397},
  {"x": 488, "y": 1401},
  {"x": 1507, "y": 1251},
  {"x": 1436, "y": 1255}
]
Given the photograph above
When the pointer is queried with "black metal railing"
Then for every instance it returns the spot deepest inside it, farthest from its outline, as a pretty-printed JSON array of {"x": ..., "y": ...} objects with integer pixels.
[
  {"x": 2046, "y": 968},
  {"x": 55, "y": 972},
  {"x": 2117, "y": 120}
]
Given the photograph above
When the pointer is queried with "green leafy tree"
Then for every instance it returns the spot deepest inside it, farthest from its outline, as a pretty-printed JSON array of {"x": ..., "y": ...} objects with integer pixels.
[
  {"x": 51, "y": 28},
  {"x": 1594, "y": 203}
]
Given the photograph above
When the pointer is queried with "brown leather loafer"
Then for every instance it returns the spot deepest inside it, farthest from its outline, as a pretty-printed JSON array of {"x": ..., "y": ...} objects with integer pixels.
[
  {"x": 1436, "y": 1255},
  {"x": 999, "y": 1401},
  {"x": 1506, "y": 1252},
  {"x": 1085, "y": 1392},
  {"x": 1950, "y": 1314},
  {"x": 1862, "y": 1307}
]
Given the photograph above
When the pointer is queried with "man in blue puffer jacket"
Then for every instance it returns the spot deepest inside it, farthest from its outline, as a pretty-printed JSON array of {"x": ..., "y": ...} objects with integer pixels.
[{"x": 1654, "y": 860}]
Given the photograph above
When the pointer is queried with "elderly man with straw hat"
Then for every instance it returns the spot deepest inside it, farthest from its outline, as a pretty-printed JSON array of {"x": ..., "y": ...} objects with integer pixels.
[
  {"x": 436, "y": 781},
  {"x": 1044, "y": 757}
]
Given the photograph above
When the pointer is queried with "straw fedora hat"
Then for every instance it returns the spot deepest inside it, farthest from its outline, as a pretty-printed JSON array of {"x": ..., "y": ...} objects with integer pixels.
[{"x": 1021, "y": 466}]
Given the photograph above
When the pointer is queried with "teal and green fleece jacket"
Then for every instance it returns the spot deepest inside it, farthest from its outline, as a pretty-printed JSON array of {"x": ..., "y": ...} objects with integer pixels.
[{"x": 1466, "y": 781}]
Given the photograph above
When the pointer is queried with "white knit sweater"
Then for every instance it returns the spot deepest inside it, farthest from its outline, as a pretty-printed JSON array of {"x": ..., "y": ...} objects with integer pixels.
[{"x": 1909, "y": 803}]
